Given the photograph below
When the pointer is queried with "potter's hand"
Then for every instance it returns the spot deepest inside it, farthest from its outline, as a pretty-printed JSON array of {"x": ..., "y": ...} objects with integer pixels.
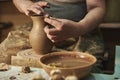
[
  {"x": 63, "y": 29},
  {"x": 36, "y": 8}
]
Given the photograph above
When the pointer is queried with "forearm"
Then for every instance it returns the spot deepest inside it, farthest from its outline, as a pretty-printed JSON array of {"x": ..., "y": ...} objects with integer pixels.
[
  {"x": 94, "y": 16},
  {"x": 22, "y": 5},
  {"x": 92, "y": 19}
]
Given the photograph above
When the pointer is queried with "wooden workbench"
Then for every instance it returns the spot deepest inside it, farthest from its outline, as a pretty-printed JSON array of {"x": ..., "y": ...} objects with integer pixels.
[{"x": 15, "y": 72}]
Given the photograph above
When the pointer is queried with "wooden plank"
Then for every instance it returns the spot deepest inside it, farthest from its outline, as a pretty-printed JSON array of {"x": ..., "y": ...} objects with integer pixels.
[{"x": 26, "y": 57}]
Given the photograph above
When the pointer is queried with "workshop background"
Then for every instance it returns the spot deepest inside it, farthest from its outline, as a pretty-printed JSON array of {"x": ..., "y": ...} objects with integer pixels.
[{"x": 11, "y": 19}]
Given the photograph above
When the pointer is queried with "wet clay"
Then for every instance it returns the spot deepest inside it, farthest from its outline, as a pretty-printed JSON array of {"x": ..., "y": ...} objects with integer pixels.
[
  {"x": 69, "y": 63},
  {"x": 38, "y": 39}
]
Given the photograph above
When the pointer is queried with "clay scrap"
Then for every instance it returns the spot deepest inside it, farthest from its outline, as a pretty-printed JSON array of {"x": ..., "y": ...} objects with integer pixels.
[{"x": 4, "y": 67}]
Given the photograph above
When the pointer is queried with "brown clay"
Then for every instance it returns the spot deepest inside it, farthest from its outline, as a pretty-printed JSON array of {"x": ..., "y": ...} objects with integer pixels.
[
  {"x": 70, "y": 59},
  {"x": 26, "y": 69},
  {"x": 38, "y": 39}
]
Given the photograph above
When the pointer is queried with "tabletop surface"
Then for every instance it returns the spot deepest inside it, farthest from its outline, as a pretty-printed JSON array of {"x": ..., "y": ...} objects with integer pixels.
[{"x": 15, "y": 71}]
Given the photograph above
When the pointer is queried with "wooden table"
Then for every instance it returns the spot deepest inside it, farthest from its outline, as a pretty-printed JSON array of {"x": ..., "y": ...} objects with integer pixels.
[{"x": 16, "y": 71}]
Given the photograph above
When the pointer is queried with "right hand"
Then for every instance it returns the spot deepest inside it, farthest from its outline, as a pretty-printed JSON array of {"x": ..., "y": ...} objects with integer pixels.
[{"x": 37, "y": 8}]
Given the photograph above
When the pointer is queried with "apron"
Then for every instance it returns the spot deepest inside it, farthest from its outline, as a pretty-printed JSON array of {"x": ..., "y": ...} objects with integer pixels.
[{"x": 91, "y": 42}]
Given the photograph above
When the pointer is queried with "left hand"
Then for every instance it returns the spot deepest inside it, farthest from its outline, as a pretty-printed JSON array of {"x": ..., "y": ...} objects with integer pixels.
[
  {"x": 36, "y": 8},
  {"x": 63, "y": 29}
]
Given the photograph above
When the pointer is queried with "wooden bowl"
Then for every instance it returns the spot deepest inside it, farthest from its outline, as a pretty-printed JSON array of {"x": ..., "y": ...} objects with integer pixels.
[{"x": 70, "y": 63}]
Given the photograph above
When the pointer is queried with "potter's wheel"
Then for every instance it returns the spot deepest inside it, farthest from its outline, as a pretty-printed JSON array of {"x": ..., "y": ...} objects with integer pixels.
[
  {"x": 28, "y": 54},
  {"x": 26, "y": 57},
  {"x": 4, "y": 58}
]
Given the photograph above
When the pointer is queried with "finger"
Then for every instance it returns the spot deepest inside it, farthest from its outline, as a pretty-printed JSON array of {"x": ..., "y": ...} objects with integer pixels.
[
  {"x": 53, "y": 18},
  {"x": 52, "y": 38},
  {"x": 53, "y": 34},
  {"x": 43, "y": 4},
  {"x": 27, "y": 13},
  {"x": 47, "y": 33},
  {"x": 51, "y": 31},
  {"x": 34, "y": 10},
  {"x": 39, "y": 7},
  {"x": 55, "y": 39},
  {"x": 57, "y": 24},
  {"x": 46, "y": 29}
]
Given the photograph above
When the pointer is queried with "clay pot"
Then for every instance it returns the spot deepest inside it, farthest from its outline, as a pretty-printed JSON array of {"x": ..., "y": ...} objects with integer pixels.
[
  {"x": 69, "y": 63},
  {"x": 38, "y": 39}
]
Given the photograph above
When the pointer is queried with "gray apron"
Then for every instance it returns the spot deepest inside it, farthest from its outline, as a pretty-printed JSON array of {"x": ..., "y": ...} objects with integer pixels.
[{"x": 91, "y": 42}]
